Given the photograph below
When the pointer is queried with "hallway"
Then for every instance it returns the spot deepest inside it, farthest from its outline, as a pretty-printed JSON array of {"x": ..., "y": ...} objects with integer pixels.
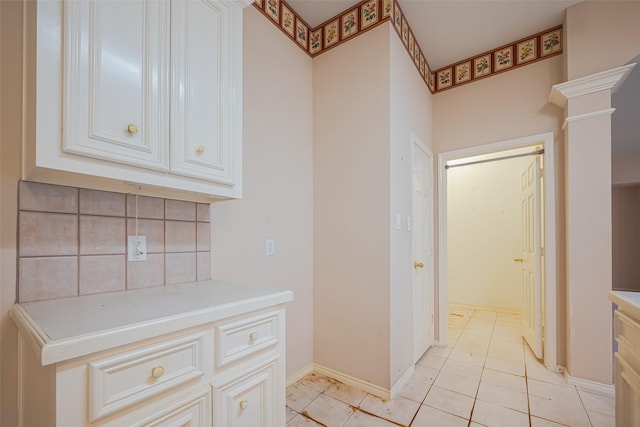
[{"x": 486, "y": 377}]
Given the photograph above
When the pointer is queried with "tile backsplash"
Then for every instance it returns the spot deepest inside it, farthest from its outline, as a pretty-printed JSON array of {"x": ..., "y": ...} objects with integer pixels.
[{"x": 73, "y": 241}]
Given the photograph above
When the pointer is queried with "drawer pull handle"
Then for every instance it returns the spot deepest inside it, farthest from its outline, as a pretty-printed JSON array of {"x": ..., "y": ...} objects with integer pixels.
[
  {"x": 132, "y": 129},
  {"x": 157, "y": 372},
  {"x": 200, "y": 149},
  {"x": 253, "y": 337},
  {"x": 244, "y": 404}
]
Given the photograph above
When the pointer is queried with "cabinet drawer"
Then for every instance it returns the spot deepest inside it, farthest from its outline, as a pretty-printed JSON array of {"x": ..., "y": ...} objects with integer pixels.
[
  {"x": 121, "y": 380},
  {"x": 238, "y": 339},
  {"x": 193, "y": 411}
]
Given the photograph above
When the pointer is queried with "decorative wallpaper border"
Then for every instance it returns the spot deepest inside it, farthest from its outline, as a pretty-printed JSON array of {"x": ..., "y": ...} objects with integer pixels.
[{"x": 369, "y": 14}]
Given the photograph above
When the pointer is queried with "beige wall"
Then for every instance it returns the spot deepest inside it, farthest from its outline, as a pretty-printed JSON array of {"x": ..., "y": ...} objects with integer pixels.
[
  {"x": 278, "y": 186},
  {"x": 10, "y": 152},
  {"x": 411, "y": 110},
  {"x": 351, "y": 196},
  {"x": 484, "y": 205},
  {"x": 625, "y": 169},
  {"x": 625, "y": 212},
  {"x": 601, "y": 35},
  {"x": 504, "y": 107}
]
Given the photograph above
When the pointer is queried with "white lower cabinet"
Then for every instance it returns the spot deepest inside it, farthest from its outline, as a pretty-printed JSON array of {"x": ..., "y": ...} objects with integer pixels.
[{"x": 229, "y": 372}]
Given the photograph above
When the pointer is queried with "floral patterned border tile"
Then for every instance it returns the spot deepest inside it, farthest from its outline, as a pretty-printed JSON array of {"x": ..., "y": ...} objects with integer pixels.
[
  {"x": 422, "y": 63},
  {"x": 331, "y": 32},
  {"x": 273, "y": 10},
  {"x": 551, "y": 42},
  {"x": 411, "y": 45},
  {"x": 444, "y": 78},
  {"x": 463, "y": 72},
  {"x": 302, "y": 34},
  {"x": 503, "y": 59},
  {"x": 369, "y": 14},
  {"x": 387, "y": 9},
  {"x": 397, "y": 19},
  {"x": 287, "y": 20},
  {"x": 258, "y": 3},
  {"x": 405, "y": 32},
  {"x": 315, "y": 41},
  {"x": 482, "y": 66},
  {"x": 349, "y": 24},
  {"x": 527, "y": 51}
]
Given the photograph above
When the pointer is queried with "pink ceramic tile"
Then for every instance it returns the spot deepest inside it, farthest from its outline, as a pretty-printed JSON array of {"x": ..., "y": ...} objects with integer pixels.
[
  {"x": 101, "y": 202},
  {"x": 204, "y": 266},
  {"x": 47, "y": 234},
  {"x": 148, "y": 207},
  {"x": 48, "y": 198},
  {"x": 180, "y": 268},
  {"x": 203, "y": 212},
  {"x": 102, "y": 235},
  {"x": 203, "y": 236},
  {"x": 180, "y": 236},
  {"x": 153, "y": 229},
  {"x": 47, "y": 278},
  {"x": 102, "y": 273},
  {"x": 179, "y": 210},
  {"x": 143, "y": 274}
]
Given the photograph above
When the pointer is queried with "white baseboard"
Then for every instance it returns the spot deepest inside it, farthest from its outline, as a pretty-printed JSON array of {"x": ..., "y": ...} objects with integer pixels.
[
  {"x": 395, "y": 389},
  {"x": 378, "y": 391},
  {"x": 592, "y": 386},
  {"x": 292, "y": 379}
]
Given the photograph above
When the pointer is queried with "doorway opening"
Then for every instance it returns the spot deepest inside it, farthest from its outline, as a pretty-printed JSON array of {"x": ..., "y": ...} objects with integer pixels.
[{"x": 521, "y": 260}]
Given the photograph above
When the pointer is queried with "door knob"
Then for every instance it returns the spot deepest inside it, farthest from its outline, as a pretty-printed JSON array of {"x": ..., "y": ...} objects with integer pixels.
[
  {"x": 518, "y": 259},
  {"x": 418, "y": 265}
]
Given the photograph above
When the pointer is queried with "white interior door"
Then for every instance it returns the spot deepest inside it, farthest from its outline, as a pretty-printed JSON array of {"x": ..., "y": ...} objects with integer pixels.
[
  {"x": 531, "y": 314},
  {"x": 422, "y": 235}
]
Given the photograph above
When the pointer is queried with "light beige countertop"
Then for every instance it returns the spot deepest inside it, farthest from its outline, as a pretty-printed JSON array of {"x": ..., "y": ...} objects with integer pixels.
[
  {"x": 66, "y": 328},
  {"x": 627, "y": 301}
]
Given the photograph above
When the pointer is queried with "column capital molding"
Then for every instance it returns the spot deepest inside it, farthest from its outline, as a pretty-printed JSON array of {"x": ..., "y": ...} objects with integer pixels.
[{"x": 610, "y": 79}]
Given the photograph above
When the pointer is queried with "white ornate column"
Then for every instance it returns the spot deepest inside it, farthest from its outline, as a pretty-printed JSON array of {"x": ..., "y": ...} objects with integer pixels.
[{"x": 587, "y": 105}]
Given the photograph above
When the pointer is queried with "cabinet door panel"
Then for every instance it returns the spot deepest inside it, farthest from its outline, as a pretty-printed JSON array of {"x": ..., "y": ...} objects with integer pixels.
[
  {"x": 115, "y": 85},
  {"x": 203, "y": 90},
  {"x": 248, "y": 401}
]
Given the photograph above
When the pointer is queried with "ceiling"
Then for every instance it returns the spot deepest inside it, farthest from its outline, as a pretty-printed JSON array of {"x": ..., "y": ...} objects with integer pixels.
[
  {"x": 449, "y": 31},
  {"x": 452, "y": 30}
]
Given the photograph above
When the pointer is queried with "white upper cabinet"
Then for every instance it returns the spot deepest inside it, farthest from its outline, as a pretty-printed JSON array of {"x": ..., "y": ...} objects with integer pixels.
[{"x": 139, "y": 93}]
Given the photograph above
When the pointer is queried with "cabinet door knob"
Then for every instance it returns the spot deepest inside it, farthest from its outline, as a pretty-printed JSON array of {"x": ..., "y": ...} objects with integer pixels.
[
  {"x": 418, "y": 265},
  {"x": 244, "y": 404},
  {"x": 132, "y": 129},
  {"x": 253, "y": 336},
  {"x": 157, "y": 372},
  {"x": 200, "y": 149}
]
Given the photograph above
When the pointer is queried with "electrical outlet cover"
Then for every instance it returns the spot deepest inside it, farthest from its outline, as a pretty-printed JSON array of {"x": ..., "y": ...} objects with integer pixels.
[{"x": 137, "y": 248}]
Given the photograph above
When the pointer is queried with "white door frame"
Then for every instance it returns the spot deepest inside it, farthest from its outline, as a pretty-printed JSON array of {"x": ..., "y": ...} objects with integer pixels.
[{"x": 547, "y": 141}]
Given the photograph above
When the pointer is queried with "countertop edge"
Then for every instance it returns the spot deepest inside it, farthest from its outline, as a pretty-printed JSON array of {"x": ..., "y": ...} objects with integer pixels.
[
  {"x": 55, "y": 351},
  {"x": 626, "y": 303}
]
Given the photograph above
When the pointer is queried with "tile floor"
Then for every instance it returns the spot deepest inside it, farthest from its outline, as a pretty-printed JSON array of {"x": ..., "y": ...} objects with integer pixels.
[{"x": 486, "y": 377}]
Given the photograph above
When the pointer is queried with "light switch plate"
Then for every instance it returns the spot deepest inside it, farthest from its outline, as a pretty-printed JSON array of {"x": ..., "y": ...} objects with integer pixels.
[
  {"x": 270, "y": 247},
  {"x": 137, "y": 248}
]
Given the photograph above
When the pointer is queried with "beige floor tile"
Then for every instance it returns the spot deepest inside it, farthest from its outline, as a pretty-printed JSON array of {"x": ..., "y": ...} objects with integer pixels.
[
  {"x": 416, "y": 388},
  {"x": 302, "y": 421},
  {"x": 449, "y": 401},
  {"x": 558, "y": 412},
  {"x": 432, "y": 417},
  {"x": 345, "y": 393},
  {"x": 431, "y": 361},
  {"x": 439, "y": 350},
  {"x": 361, "y": 419},
  {"x": 561, "y": 393},
  {"x": 509, "y": 366},
  {"x": 502, "y": 379},
  {"x": 474, "y": 424},
  {"x": 540, "y": 422},
  {"x": 299, "y": 396},
  {"x": 496, "y": 416},
  {"x": 463, "y": 369},
  {"x": 399, "y": 410},
  {"x": 328, "y": 411},
  {"x": 601, "y": 420},
  {"x": 429, "y": 374},
  {"x": 317, "y": 382},
  {"x": 537, "y": 371},
  {"x": 503, "y": 397},
  {"x": 598, "y": 403},
  {"x": 457, "y": 383},
  {"x": 476, "y": 358},
  {"x": 290, "y": 414}
]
